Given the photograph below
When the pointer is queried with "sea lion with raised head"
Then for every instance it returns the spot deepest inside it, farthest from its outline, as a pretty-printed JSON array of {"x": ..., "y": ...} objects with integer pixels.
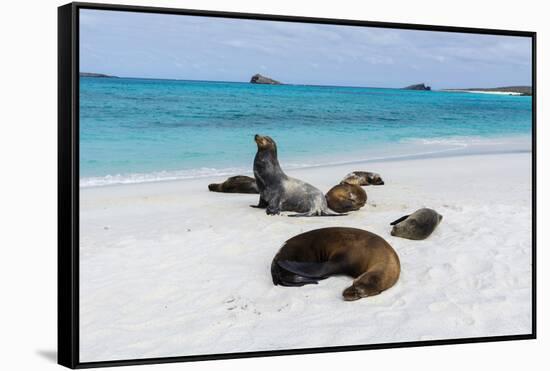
[
  {"x": 416, "y": 226},
  {"x": 321, "y": 253},
  {"x": 279, "y": 192},
  {"x": 236, "y": 184},
  {"x": 346, "y": 197},
  {"x": 363, "y": 178}
]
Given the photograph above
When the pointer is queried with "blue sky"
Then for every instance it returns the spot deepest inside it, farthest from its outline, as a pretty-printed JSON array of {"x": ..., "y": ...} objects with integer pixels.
[{"x": 201, "y": 48}]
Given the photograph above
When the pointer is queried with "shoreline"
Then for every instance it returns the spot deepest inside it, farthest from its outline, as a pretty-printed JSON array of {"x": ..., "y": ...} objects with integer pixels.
[
  {"x": 514, "y": 93},
  {"x": 520, "y": 144}
]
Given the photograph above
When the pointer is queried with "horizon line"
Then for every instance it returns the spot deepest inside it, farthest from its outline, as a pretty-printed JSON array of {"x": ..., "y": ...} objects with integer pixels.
[{"x": 103, "y": 75}]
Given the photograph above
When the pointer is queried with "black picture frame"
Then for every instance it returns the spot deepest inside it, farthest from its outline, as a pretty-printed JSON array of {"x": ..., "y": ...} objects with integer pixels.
[{"x": 68, "y": 183}]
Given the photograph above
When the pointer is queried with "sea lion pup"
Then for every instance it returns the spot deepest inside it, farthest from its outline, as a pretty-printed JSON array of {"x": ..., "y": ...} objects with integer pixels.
[
  {"x": 363, "y": 178},
  {"x": 320, "y": 253},
  {"x": 346, "y": 197},
  {"x": 279, "y": 192},
  {"x": 417, "y": 226},
  {"x": 236, "y": 184}
]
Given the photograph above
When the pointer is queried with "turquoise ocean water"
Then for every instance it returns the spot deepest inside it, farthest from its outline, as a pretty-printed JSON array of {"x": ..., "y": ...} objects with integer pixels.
[{"x": 137, "y": 130}]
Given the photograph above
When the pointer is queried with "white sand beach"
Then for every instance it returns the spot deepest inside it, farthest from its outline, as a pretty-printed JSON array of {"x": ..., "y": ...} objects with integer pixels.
[
  {"x": 493, "y": 92},
  {"x": 171, "y": 269}
]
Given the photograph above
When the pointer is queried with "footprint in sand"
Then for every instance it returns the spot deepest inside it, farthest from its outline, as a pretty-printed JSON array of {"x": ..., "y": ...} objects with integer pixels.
[
  {"x": 442, "y": 272},
  {"x": 469, "y": 266},
  {"x": 399, "y": 303},
  {"x": 453, "y": 207},
  {"x": 240, "y": 305},
  {"x": 468, "y": 321},
  {"x": 283, "y": 308}
]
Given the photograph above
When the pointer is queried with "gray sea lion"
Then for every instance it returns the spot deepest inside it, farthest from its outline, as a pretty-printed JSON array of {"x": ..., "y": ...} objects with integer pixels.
[
  {"x": 363, "y": 178},
  {"x": 320, "y": 253},
  {"x": 279, "y": 192},
  {"x": 416, "y": 226},
  {"x": 236, "y": 184},
  {"x": 346, "y": 197}
]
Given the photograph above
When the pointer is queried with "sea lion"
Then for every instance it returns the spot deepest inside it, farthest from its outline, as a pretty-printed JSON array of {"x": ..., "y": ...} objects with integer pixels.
[
  {"x": 279, "y": 192},
  {"x": 417, "y": 226},
  {"x": 236, "y": 184},
  {"x": 363, "y": 178},
  {"x": 346, "y": 197},
  {"x": 320, "y": 253}
]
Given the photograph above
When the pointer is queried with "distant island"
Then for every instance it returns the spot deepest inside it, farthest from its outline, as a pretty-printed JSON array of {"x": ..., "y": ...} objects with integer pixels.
[
  {"x": 92, "y": 74},
  {"x": 260, "y": 79},
  {"x": 510, "y": 90},
  {"x": 418, "y": 87}
]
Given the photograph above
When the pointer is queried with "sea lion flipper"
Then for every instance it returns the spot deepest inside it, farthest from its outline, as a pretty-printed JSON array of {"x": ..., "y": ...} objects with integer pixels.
[
  {"x": 322, "y": 213},
  {"x": 399, "y": 220},
  {"x": 309, "y": 269},
  {"x": 262, "y": 204},
  {"x": 296, "y": 280},
  {"x": 298, "y": 215}
]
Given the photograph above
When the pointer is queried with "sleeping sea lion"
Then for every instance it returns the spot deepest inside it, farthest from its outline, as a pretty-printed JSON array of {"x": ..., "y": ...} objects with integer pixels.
[
  {"x": 320, "y": 253},
  {"x": 235, "y": 184},
  {"x": 346, "y": 197},
  {"x": 363, "y": 178},
  {"x": 417, "y": 226},
  {"x": 279, "y": 192}
]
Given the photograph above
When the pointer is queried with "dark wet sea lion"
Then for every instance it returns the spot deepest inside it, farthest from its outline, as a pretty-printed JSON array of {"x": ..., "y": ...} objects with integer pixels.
[
  {"x": 236, "y": 184},
  {"x": 417, "y": 226},
  {"x": 346, "y": 197},
  {"x": 318, "y": 254},
  {"x": 363, "y": 178},
  {"x": 279, "y": 192}
]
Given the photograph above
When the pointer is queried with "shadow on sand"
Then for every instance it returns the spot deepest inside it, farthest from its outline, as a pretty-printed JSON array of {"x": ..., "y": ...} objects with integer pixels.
[{"x": 50, "y": 355}]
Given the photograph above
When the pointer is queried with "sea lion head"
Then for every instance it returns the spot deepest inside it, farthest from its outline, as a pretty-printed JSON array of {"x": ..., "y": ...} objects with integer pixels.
[
  {"x": 355, "y": 292},
  {"x": 265, "y": 143},
  {"x": 405, "y": 228},
  {"x": 214, "y": 187},
  {"x": 375, "y": 179}
]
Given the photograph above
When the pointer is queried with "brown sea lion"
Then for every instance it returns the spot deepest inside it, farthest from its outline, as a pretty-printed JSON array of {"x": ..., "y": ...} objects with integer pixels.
[
  {"x": 279, "y": 192},
  {"x": 417, "y": 226},
  {"x": 236, "y": 184},
  {"x": 363, "y": 178},
  {"x": 320, "y": 253},
  {"x": 346, "y": 197}
]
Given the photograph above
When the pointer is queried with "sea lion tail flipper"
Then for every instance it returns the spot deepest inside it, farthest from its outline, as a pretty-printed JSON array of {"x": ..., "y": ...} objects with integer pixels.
[
  {"x": 322, "y": 213},
  {"x": 399, "y": 220},
  {"x": 309, "y": 269},
  {"x": 283, "y": 277},
  {"x": 299, "y": 215},
  {"x": 296, "y": 280},
  {"x": 329, "y": 213}
]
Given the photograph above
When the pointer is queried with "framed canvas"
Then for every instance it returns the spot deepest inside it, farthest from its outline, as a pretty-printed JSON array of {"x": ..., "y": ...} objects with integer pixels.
[{"x": 242, "y": 185}]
